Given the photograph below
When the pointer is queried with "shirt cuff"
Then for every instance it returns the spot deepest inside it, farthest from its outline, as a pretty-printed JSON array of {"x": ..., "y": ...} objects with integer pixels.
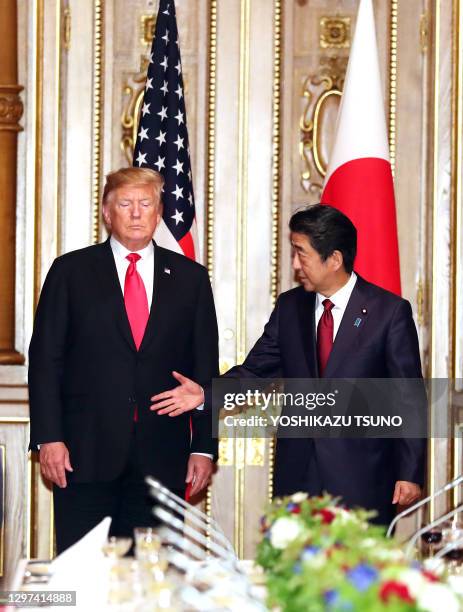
[
  {"x": 209, "y": 456},
  {"x": 201, "y": 406}
]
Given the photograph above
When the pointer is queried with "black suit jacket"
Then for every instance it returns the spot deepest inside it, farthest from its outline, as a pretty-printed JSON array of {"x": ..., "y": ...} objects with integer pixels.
[
  {"x": 385, "y": 345},
  {"x": 86, "y": 376}
]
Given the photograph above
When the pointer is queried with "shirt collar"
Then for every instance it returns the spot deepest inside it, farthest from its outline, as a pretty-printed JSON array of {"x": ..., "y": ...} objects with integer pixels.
[
  {"x": 342, "y": 296},
  {"x": 120, "y": 251}
]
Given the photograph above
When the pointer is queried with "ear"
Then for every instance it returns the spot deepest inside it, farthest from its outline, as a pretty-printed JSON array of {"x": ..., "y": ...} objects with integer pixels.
[
  {"x": 106, "y": 215},
  {"x": 337, "y": 260}
]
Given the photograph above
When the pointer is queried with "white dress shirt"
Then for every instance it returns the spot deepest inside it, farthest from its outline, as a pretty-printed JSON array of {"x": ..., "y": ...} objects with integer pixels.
[
  {"x": 339, "y": 299},
  {"x": 145, "y": 267}
]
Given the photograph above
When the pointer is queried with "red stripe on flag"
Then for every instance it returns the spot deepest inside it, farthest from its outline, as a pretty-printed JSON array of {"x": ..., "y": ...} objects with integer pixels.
[
  {"x": 188, "y": 246},
  {"x": 363, "y": 190}
]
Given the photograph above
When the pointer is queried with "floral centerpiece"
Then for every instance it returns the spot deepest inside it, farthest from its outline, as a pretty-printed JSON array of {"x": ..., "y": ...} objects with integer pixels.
[{"x": 319, "y": 556}]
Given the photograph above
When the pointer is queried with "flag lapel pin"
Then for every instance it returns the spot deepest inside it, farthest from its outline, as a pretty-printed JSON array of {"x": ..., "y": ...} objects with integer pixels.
[
  {"x": 166, "y": 270},
  {"x": 357, "y": 322}
]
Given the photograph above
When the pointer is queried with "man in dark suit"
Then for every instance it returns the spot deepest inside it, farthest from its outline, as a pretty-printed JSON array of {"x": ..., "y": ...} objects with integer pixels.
[
  {"x": 314, "y": 331},
  {"x": 113, "y": 322}
]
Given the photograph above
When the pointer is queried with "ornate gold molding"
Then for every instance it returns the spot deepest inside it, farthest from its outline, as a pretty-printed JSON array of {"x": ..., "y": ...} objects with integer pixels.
[
  {"x": 424, "y": 32},
  {"x": 67, "y": 28},
  {"x": 276, "y": 146},
  {"x": 133, "y": 90},
  {"x": 335, "y": 32},
  {"x": 393, "y": 81},
  {"x": 210, "y": 182},
  {"x": 317, "y": 90},
  {"x": 98, "y": 72},
  {"x": 11, "y": 108},
  {"x": 211, "y": 138},
  {"x": 147, "y": 27},
  {"x": 276, "y": 115}
]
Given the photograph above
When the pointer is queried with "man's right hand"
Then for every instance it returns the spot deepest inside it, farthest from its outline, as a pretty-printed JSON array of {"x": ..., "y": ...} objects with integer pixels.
[
  {"x": 54, "y": 461},
  {"x": 187, "y": 396}
]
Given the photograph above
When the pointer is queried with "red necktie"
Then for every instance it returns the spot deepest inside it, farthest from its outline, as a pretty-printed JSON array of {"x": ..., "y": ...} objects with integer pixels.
[
  {"x": 136, "y": 302},
  {"x": 325, "y": 336}
]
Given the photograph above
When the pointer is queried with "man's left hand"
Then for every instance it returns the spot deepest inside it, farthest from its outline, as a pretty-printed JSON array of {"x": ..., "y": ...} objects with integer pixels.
[
  {"x": 405, "y": 493},
  {"x": 199, "y": 473}
]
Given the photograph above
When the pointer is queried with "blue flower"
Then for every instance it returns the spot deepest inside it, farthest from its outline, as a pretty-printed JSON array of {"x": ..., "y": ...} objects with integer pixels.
[
  {"x": 332, "y": 600},
  {"x": 309, "y": 551},
  {"x": 297, "y": 568},
  {"x": 331, "y": 597},
  {"x": 362, "y": 576}
]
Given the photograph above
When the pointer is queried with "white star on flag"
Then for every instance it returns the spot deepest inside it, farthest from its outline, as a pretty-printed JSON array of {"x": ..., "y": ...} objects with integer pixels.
[
  {"x": 149, "y": 84},
  {"x": 164, "y": 88},
  {"x": 163, "y": 113},
  {"x": 141, "y": 159},
  {"x": 166, "y": 36},
  {"x": 161, "y": 137},
  {"x": 179, "y": 117},
  {"x": 178, "y": 67},
  {"x": 165, "y": 63},
  {"x": 190, "y": 199},
  {"x": 178, "y": 217},
  {"x": 179, "y": 92},
  {"x": 178, "y": 192},
  {"x": 178, "y": 167},
  {"x": 160, "y": 163},
  {"x": 166, "y": 12},
  {"x": 151, "y": 58},
  {"x": 146, "y": 109},
  {"x": 179, "y": 143},
  {"x": 143, "y": 133}
]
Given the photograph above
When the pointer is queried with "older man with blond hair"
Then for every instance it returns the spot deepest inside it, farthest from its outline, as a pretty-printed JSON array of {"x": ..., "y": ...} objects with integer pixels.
[{"x": 114, "y": 322}]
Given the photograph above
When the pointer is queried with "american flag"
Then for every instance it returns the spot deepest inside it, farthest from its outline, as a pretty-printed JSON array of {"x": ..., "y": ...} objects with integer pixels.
[{"x": 162, "y": 140}]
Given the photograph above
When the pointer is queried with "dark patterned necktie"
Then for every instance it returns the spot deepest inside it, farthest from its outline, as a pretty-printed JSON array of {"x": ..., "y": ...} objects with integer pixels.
[{"x": 325, "y": 331}]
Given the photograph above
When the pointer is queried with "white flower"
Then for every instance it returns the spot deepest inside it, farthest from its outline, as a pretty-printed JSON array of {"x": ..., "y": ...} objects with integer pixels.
[
  {"x": 284, "y": 531},
  {"x": 297, "y": 498},
  {"x": 369, "y": 543},
  {"x": 389, "y": 554},
  {"x": 456, "y": 584},
  {"x": 435, "y": 597},
  {"x": 343, "y": 517},
  {"x": 414, "y": 580}
]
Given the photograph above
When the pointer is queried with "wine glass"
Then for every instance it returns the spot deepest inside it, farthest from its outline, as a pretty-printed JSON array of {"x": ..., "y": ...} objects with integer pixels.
[
  {"x": 115, "y": 547},
  {"x": 147, "y": 544}
]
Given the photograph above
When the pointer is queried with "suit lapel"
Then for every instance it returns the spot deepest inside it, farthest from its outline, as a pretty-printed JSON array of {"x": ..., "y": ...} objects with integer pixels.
[
  {"x": 110, "y": 286},
  {"x": 306, "y": 307},
  {"x": 351, "y": 328}
]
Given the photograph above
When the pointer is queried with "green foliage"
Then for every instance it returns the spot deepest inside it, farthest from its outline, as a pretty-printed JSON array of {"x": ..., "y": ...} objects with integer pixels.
[{"x": 318, "y": 556}]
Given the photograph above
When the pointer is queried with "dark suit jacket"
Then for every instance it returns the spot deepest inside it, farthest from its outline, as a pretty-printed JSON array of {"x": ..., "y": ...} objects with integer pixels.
[
  {"x": 86, "y": 376},
  {"x": 385, "y": 345}
]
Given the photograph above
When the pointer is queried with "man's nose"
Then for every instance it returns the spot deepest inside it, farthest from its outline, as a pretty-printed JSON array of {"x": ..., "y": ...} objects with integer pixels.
[
  {"x": 136, "y": 209},
  {"x": 296, "y": 262}
]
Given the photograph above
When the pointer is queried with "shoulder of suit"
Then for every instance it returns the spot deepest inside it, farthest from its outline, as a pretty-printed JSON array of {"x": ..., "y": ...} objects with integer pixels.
[
  {"x": 176, "y": 260},
  {"x": 81, "y": 254},
  {"x": 370, "y": 290},
  {"x": 292, "y": 294}
]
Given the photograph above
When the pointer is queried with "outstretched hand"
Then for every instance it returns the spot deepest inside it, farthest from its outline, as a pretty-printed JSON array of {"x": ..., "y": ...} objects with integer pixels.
[{"x": 187, "y": 396}]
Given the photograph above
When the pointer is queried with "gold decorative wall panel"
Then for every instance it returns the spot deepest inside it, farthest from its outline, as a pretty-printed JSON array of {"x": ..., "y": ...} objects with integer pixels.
[
  {"x": 98, "y": 76},
  {"x": 321, "y": 93}
]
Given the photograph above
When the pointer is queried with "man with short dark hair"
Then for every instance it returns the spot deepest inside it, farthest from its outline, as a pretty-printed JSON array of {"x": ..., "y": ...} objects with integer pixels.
[
  {"x": 113, "y": 322},
  {"x": 312, "y": 333}
]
